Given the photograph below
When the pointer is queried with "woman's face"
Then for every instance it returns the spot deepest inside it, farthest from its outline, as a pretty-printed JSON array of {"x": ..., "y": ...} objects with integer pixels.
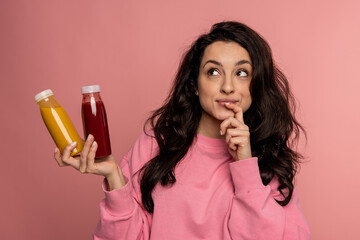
[{"x": 224, "y": 76}]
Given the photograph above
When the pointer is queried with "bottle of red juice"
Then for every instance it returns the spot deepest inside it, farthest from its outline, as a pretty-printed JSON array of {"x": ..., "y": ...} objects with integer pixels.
[{"x": 94, "y": 119}]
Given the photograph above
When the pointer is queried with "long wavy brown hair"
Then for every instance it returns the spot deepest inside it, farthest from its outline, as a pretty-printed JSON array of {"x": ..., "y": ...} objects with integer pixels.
[{"x": 274, "y": 129}]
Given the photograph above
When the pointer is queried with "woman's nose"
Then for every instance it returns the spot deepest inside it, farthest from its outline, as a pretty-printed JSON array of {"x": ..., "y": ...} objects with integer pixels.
[{"x": 227, "y": 86}]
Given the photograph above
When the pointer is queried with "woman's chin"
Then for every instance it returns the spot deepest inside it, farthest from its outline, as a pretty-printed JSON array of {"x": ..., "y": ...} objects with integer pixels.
[
  {"x": 223, "y": 116},
  {"x": 218, "y": 115}
]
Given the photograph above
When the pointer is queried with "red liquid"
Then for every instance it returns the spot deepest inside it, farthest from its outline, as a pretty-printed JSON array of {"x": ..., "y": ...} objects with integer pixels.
[{"x": 95, "y": 123}]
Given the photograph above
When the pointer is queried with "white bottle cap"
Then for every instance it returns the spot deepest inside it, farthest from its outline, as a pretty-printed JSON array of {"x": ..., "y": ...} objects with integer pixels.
[
  {"x": 90, "y": 89},
  {"x": 44, "y": 94}
]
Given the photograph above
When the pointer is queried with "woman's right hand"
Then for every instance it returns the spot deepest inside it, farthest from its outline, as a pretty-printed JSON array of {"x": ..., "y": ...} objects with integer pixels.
[{"x": 85, "y": 163}]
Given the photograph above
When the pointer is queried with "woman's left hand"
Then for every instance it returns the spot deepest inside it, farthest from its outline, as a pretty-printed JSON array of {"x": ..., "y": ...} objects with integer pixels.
[{"x": 237, "y": 134}]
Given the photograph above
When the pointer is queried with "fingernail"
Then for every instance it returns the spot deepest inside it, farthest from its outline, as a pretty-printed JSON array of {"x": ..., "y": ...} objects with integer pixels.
[
  {"x": 73, "y": 144},
  {"x": 89, "y": 137},
  {"x": 227, "y": 103},
  {"x": 93, "y": 144},
  {"x": 221, "y": 133},
  {"x": 55, "y": 149}
]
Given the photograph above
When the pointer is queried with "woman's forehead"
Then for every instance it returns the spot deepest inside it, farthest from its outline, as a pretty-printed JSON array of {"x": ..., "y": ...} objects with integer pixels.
[{"x": 225, "y": 53}]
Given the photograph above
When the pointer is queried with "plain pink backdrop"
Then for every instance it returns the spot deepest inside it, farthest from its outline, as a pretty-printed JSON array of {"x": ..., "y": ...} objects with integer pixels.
[{"x": 132, "y": 49}]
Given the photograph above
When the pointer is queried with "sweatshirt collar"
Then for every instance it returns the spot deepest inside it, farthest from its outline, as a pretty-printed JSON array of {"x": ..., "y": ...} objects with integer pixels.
[{"x": 211, "y": 142}]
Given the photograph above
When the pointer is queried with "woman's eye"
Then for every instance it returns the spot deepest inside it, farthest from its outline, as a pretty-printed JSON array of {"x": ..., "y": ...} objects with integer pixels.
[
  {"x": 213, "y": 72},
  {"x": 242, "y": 73}
]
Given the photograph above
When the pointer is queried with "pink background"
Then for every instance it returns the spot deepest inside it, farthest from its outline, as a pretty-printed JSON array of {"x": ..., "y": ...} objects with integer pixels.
[{"x": 132, "y": 49}]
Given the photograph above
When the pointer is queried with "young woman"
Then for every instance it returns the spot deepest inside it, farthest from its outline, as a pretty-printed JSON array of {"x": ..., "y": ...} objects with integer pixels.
[{"x": 217, "y": 162}]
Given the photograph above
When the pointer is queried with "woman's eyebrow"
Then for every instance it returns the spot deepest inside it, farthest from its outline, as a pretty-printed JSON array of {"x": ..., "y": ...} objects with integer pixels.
[
  {"x": 214, "y": 62},
  {"x": 241, "y": 62}
]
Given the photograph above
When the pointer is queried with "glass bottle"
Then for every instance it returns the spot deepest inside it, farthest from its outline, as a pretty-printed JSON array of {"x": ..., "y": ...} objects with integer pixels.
[
  {"x": 58, "y": 122},
  {"x": 95, "y": 120}
]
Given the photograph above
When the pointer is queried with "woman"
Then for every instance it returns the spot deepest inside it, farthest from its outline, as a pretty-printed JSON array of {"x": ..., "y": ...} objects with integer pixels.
[{"x": 217, "y": 162}]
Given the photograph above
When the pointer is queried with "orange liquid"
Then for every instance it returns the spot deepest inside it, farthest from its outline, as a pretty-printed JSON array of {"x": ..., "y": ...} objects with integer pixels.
[{"x": 61, "y": 129}]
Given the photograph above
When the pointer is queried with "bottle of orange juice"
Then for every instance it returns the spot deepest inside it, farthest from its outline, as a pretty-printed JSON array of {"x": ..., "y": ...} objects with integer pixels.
[{"x": 57, "y": 122}]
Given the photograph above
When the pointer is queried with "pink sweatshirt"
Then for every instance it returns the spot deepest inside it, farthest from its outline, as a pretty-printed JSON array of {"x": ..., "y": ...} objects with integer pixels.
[{"x": 214, "y": 197}]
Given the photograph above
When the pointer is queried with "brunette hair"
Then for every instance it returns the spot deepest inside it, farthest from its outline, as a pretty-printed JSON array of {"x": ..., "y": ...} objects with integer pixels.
[{"x": 271, "y": 119}]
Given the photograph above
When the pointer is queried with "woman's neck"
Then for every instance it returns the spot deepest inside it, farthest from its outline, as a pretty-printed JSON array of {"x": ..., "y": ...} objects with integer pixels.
[{"x": 209, "y": 126}]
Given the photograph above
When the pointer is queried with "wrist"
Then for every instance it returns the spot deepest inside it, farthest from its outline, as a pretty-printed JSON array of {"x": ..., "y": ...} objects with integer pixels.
[{"x": 115, "y": 179}]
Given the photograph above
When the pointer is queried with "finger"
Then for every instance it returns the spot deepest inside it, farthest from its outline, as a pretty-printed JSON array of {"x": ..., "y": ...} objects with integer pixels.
[
  {"x": 57, "y": 157},
  {"x": 241, "y": 141},
  {"x": 237, "y": 132},
  {"x": 233, "y": 136},
  {"x": 232, "y": 146},
  {"x": 66, "y": 158},
  {"x": 243, "y": 130},
  {"x": 230, "y": 123},
  {"x": 84, "y": 153},
  {"x": 237, "y": 110},
  {"x": 224, "y": 125},
  {"x": 238, "y": 136},
  {"x": 91, "y": 157},
  {"x": 231, "y": 143}
]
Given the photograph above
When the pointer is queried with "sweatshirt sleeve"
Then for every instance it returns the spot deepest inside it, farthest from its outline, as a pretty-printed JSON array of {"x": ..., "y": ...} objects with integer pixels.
[
  {"x": 255, "y": 214},
  {"x": 122, "y": 215}
]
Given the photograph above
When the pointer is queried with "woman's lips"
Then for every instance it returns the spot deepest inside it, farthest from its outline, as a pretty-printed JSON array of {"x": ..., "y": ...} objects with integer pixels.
[{"x": 223, "y": 102}]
